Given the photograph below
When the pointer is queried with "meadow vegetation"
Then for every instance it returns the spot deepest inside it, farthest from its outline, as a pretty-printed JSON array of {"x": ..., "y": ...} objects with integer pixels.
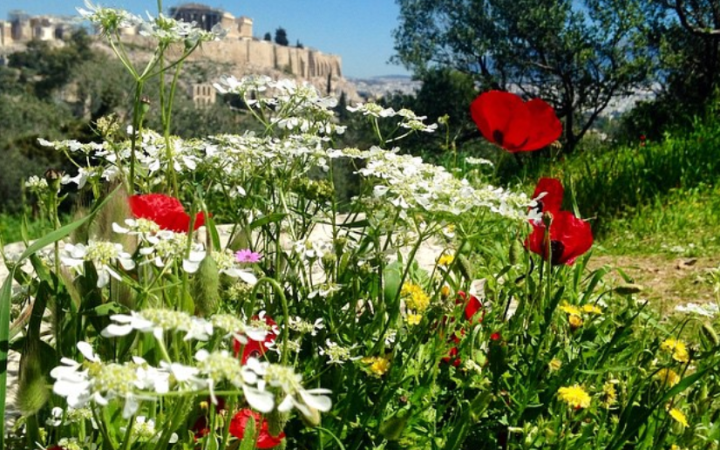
[{"x": 211, "y": 287}]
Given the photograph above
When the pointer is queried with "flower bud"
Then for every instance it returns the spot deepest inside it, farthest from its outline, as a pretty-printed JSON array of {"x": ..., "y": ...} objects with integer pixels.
[
  {"x": 206, "y": 287},
  {"x": 145, "y": 105},
  {"x": 276, "y": 421}
]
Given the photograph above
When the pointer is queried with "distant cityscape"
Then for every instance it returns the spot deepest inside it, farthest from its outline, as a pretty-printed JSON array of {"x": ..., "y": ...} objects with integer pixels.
[{"x": 20, "y": 28}]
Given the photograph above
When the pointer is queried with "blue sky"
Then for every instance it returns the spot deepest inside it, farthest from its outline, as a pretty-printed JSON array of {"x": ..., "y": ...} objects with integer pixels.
[{"x": 358, "y": 30}]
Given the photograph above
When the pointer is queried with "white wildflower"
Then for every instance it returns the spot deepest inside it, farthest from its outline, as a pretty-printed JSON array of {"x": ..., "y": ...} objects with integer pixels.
[
  {"x": 104, "y": 255},
  {"x": 337, "y": 353},
  {"x": 304, "y": 327}
]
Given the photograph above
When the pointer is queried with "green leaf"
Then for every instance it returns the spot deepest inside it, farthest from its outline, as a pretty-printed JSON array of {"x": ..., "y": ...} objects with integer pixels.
[
  {"x": 249, "y": 438},
  {"x": 270, "y": 218}
]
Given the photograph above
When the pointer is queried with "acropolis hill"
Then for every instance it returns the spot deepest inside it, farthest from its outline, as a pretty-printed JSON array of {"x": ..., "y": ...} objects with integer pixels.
[{"x": 238, "y": 54}]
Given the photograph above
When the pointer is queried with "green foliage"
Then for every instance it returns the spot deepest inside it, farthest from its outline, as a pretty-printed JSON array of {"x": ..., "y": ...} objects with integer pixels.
[
  {"x": 281, "y": 37},
  {"x": 52, "y": 66},
  {"x": 682, "y": 222},
  {"x": 577, "y": 57}
]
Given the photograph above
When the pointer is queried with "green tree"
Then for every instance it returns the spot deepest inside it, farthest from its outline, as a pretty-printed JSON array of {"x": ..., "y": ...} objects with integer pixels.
[
  {"x": 685, "y": 39},
  {"x": 576, "y": 55},
  {"x": 268, "y": 37},
  {"x": 51, "y": 68},
  {"x": 281, "y": 37}
]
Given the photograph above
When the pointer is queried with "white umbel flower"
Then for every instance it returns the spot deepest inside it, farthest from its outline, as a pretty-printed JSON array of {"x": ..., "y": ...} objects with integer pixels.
[{"x": 104, "y": 256}]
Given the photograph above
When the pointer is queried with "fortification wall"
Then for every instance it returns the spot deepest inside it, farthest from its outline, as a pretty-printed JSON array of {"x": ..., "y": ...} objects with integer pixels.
[{"x": 248, "y": 54}]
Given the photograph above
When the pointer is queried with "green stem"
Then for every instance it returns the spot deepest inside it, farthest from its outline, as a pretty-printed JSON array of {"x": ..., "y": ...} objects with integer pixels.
[{"x": 283, "y": 303}]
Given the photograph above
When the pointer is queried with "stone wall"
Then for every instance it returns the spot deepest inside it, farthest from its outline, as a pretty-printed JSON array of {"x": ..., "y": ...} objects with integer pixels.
[{"x": 251, "y": 54}]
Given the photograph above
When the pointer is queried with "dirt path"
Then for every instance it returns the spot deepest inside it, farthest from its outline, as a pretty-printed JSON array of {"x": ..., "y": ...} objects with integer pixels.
[{"x": 666, "y": 281}]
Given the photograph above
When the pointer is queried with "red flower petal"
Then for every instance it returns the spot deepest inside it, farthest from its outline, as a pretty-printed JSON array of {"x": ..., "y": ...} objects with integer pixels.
[
  {"x": 451, "y": 357},
  {"x": 256, "y": 348},
  {"x": 545, "y": 127},
  {"x": 552, "y": 200},
  {"x": 504, "y": 119},
  {"x": 472, "y": 306},
  {"x": 264, "y": 439},
  {"x": 570, "y": 237},
  {"x": 165, "y": 211}
]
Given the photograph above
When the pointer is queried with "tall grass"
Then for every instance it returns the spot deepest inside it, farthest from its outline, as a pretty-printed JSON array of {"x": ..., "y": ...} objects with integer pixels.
[{"x": 606, "y": 182}]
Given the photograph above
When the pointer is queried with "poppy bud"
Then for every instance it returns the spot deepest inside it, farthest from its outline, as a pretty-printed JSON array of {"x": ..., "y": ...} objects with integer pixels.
[
  {"x": 628, "y": 289},
  {"x": 276, "y": 421},
  {"x": 313, "y": 419},
  {"x": 206, "y": 287},
  {"x": 547, "y": 218},
  {"x": 465, "y": 267},
  {"x": 145, "y": 105},
  {"x": 52, "y": 175},
  {"x": 515, "y": 247}
]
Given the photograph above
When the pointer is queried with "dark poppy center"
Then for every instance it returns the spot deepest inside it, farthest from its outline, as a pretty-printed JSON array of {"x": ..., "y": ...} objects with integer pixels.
[
  {"x": 498, "y": 137},
  {"x": 557, "y": 248}
]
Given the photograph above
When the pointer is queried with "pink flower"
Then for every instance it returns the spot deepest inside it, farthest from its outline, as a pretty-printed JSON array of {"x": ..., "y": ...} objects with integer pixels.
[{"x": 247, "y": 256}]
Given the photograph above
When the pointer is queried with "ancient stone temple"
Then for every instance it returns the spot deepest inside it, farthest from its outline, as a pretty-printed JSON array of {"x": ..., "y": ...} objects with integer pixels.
[{"x": 206, "y": 18}]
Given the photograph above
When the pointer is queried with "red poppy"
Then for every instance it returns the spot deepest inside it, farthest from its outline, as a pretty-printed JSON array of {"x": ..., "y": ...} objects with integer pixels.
[
  {"x": 570, "y": 237},
  {"x": 552, "y": 200},
  {"x": 165, "y": 211},
  {"x": 264, "y": 439},
  {"x": 517, "y": 126},
  {"x": 256, "y": 349},
  {"x": 451, "y": 357},
  {"x": 495, "y": 336},
  {"x": 472, "y": 307}
]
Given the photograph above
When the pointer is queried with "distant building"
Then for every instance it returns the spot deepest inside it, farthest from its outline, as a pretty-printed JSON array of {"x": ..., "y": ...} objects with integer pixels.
[
  {"x": 206, "y": 18},
  {"x": 203, "y": 94},
  {"x": 21, "y": 27}
]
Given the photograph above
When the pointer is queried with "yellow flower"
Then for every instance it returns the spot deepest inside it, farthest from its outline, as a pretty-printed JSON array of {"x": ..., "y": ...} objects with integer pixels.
[
  {"x": 609, "y": 394},
  {"x": 378, "y": 365},
  {"x": 591, "y": 309},
  {"x": 678, "y": 416},
  {"x": 413, "y": 319},
  {"x": 445, "y": 260},
  {"x": 677, "y": 348},
  {"x": 415, "y": 298},
  {"x": 570, "y": 309},
  {"x": 445, "y": 291},
  {"x": 668, "y": 377},
  {"x": 575, "y": 321},
  {"x": 574, "y": 396},
  {"x": 675, "y": 447},
  {"x": 554, "y": 364}
]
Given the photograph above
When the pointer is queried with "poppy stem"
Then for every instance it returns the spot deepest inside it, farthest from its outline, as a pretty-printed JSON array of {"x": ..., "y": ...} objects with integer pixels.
[{"x": 286, "y": 314}]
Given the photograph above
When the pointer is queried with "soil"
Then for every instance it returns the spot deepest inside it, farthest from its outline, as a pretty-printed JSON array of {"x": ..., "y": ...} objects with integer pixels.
[{"x": 665, "y": 281}]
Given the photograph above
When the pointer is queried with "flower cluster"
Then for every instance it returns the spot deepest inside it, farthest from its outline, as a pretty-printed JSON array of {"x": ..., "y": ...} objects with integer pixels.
[{"x": 100, "y": 382}]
